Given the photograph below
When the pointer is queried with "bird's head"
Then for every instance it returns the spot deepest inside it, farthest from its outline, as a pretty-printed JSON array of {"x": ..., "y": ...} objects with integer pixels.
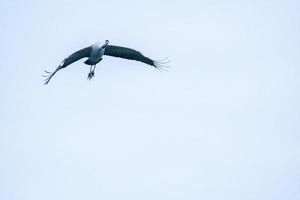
[{"x": 105, "y": 44}]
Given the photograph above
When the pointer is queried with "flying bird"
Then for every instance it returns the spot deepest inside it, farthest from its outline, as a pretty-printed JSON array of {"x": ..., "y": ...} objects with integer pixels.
[{"x": 95, "y": 52}]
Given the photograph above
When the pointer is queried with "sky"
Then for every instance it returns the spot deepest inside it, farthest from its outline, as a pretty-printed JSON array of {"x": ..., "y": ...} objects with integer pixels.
[{"x": 222, "y": 123}]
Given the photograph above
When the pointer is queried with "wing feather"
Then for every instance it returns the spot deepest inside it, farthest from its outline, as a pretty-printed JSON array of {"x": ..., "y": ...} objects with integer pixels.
[
  {"x": 131, "y": 54},
  {"x": 85, "y": 52},
  {"x": 127, "y": 53}
]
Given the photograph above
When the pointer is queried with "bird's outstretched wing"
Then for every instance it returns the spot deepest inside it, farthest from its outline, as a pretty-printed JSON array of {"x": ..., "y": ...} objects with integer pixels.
[
  {"x": 85, "y": 52},
  {"x": 131, "y": 54}
]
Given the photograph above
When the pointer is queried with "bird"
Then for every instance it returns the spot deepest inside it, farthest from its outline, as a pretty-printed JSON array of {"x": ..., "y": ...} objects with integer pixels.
[{"x": 95, "y": 52}]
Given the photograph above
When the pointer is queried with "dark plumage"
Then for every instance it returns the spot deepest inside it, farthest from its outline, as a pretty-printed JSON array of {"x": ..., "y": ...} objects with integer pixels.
[
  {"x": 127, "y": 53},
  {"x": 69, "y": 60}
]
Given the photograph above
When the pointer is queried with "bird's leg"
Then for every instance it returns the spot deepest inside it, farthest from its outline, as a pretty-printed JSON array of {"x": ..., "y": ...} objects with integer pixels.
[{"x": 91, "y": 74}]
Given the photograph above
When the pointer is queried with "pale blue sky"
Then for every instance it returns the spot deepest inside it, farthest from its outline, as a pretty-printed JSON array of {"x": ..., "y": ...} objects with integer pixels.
[{"x": 223, "y": 123}]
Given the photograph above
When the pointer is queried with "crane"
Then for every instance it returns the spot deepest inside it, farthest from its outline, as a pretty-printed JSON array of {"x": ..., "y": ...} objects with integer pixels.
[{"x": 95, "y": 52}]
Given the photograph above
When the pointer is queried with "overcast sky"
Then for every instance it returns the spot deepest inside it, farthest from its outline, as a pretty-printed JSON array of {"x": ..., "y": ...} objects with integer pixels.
[{"x": 223, "y": 123}]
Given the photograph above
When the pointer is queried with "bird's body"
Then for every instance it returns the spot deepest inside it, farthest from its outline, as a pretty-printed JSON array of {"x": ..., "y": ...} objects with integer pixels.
[{"x": 95, "y": 52}]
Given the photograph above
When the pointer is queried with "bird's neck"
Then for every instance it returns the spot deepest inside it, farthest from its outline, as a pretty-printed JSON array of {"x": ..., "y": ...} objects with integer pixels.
[{"x": 103, "y": 46}]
